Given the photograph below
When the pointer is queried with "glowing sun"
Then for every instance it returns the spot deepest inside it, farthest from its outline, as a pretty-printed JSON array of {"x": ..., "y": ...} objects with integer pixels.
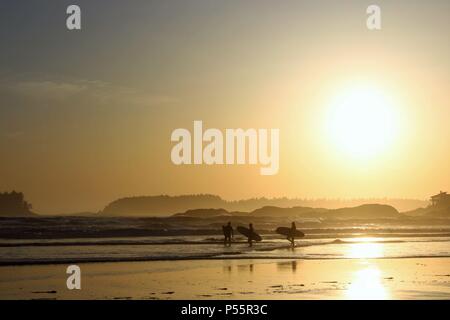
[{"x": 362, "y": 121}]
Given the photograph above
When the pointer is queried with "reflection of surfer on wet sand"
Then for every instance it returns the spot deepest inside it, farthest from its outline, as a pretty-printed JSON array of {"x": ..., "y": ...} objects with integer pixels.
[{"x": 228, "y": 234}]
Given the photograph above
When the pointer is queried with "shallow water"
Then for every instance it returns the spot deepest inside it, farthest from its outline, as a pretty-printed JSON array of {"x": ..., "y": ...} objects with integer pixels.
[{"x": 200, "y": 247}]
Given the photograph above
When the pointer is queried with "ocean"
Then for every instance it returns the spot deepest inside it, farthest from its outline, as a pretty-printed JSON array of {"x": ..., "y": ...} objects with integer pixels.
[{"x": 374, "y": 241}]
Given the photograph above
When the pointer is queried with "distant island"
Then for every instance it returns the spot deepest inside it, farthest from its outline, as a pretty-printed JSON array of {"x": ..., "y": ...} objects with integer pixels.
[
  {"x": 165, "y": 205},
  {"x": 13, "y": 204},
  {"x": 366, "y": 211}
]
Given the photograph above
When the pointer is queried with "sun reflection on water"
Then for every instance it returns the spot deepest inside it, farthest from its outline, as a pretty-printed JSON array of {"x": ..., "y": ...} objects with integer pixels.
[
  {"x": 367, "y": 285},
  {"x": 365, "y": 249}
]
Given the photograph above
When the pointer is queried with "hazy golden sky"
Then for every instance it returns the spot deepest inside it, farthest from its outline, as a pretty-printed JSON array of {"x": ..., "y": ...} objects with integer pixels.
[{"x": 86, "y": 116}]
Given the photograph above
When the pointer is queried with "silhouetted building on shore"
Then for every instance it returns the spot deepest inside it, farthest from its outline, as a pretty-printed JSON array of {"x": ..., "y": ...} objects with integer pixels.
[{"x": 442, "y": 199}]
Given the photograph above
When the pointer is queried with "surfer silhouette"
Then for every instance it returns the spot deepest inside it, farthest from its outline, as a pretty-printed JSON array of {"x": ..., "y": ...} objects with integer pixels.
[
  {"x": 291, "y": 236},
  {"x": 228, "y": 234},
  {"x": 290, "y": 233},
  {"x": 249, "y": 233},
  {"x": 250, "y": 239}
]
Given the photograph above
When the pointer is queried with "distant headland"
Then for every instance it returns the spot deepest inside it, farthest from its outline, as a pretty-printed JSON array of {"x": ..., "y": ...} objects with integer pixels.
[
  {"x": 165, "y": 205},
  {"x": 14, "y": 204}
]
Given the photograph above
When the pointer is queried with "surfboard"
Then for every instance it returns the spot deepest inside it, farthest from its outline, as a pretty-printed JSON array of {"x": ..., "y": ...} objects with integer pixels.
[
  {"x": 285, "y": 231},
  {"x": 246, "y": 232}
]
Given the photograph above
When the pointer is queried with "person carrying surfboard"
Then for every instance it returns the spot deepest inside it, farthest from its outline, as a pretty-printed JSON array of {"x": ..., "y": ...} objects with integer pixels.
[
  {"x": 249, "y": 233},
  {"x": 228, "y": 234},
  {"x": 291, "y": 236},
  {"x": 290, "y": 233},
  {"x": 250, "y": 239}
]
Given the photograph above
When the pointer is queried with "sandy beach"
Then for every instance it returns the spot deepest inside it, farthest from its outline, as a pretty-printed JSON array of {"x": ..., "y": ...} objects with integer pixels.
[{"x": 411, "y": 278}]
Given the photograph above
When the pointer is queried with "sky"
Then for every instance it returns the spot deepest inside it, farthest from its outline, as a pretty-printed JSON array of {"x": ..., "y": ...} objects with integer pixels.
[{"x": 86, "y": 116}]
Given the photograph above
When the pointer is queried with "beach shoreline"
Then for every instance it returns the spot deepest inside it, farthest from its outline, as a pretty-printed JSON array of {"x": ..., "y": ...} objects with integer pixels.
[{"x": 235, "y": 279}]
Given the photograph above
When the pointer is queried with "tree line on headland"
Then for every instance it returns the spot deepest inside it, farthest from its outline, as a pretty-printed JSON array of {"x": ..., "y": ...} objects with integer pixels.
[
  {"x": 165, "y": 205},
  {"x": 14, "y": 204}
]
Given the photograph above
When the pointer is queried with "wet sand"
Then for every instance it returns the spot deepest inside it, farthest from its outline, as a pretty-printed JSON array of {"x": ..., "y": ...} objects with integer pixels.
[{"x": 411, "y": 278}]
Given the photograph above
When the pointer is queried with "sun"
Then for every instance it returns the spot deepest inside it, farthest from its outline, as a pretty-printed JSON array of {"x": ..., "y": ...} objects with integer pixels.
[{"x": 362, "y": 121}]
